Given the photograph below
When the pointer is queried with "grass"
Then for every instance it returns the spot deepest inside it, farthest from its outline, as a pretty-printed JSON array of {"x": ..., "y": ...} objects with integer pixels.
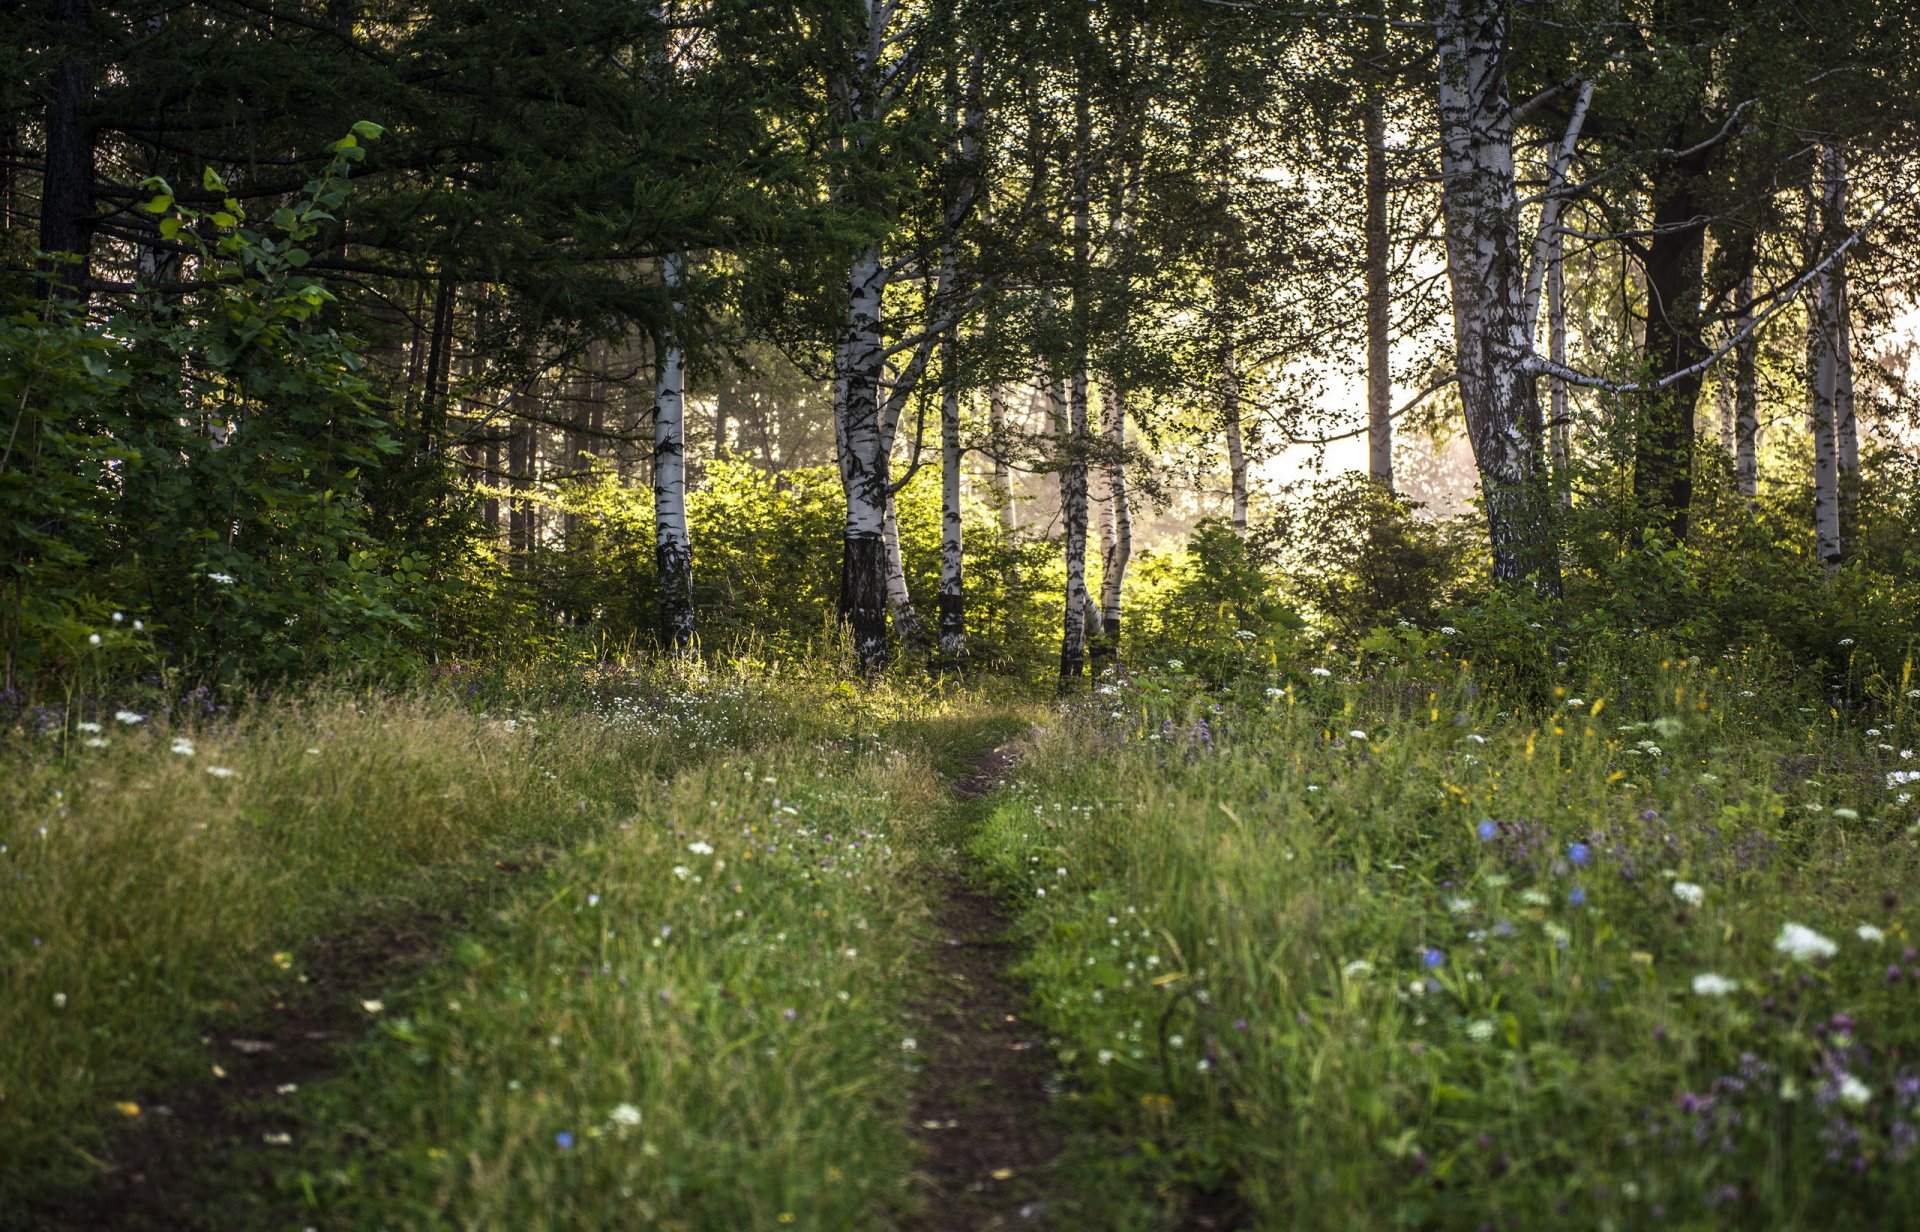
[
  {"x": 630, "y": 990},
  {"x": 1368, "y": 951}
]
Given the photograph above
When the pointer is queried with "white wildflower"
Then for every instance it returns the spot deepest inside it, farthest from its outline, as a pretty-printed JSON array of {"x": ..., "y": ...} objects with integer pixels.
[
  {"x": 223, "y": 579},
  {"x": 373, "y": 1007},
  {"x": 700, "y": 848},
  {"x": 93, "y": 639},
  {"x": 1357, "y": 734},
  {"x": 1480, "y": 1030},
  {"x": 93, "y": 728},
  {"x": 1449, "y": 630},
  {"x": 1708, "y": 984},
  {"x": 128, "y": 717},
  {"x": 1534, "y": 898},
  {"x": 1689, "y": 893},
  {"x": 1358, "y": 966},
  {"x": 1854, "y": 1092},
  {"x": 1802, "y": 944},
  {"x": 183, "y": 746},
  {"x": 624, "y": 1114},
  {"x": 1867, "y": 932},
  {"x": 1319, "y": 671},
  {"x": 1459, "y": 906},
  {"x": 220, "y": 772}
]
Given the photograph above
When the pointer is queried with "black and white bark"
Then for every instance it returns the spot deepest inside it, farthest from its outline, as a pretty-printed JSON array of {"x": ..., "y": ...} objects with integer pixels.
[
  {"x": 673, "y": 546},
  {"x": 1486, "y": 267},
  {"x": 1836, "y": 445},
  {"x": 865, "y": 463},
  {"x": 1002, "y": 470},
  {"x": 1559, "y": 426}
]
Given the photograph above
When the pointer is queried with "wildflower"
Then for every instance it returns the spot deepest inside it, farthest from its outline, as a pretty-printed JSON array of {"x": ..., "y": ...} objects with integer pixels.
[
  {"x": 1480, "y": 1030},
  {"x": 1847, "y": 814},
  {"x": 1476, "y": 737},
  {"x": 1431, "y": 957},
  {"x": 1689, "y": 893},
  {"x": 93, "y": 639},
  {"x": 1106, "y": 1056},
  {"x": 1854, "y": 1092},
  {"x": 220, "y": 772},
  {"x": 1846, "y": 641},
  {"x": 87, "y": 727},
  {"x": 1319, "y": 671},
  {"x": 1534, "y": 897},
  {"x": 60, "y": 1000},
  {"x": 128, "y": 717},
  {"x": 1802, "y": 944},
  {"x": 96, "y": 742},
  {"x": 183, "y": 746},
  {"x": 1449, "y": 630},
  {"x": 222, "y": 579},
  {"x": 1276, "y": 692},
  {"x": 1358, "y": 966},
  {"x": 1357, "y": 734},
  {"x": 593, "y": 900},
  {"x": 1867, "y": 932},
  {"x": 1487, "y": 829},
  {"x": 118, "y": 617},
  {"x": 699, "y": 848},
  {"x": 1708, "y": 984},
  {"x": 1175, "y": 664},
  {"x": 1578, "y": 854},
  {"x": 1573, "y": 702},
  {"x": 1459, "y": 906},
  {"x": 373, "y": 1007},
  {"x": 563, "y": 1140},
  {"x": 1245, "y": 635},
  {"x": 624, "y": 1114},
  {"x": 1577, "y": 897}
]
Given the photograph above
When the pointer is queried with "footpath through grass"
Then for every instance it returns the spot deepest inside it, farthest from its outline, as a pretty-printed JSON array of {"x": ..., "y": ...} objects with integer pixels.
[
  {"x": 1368, "y": 951},
  {"x": 686, "y": 1009}
]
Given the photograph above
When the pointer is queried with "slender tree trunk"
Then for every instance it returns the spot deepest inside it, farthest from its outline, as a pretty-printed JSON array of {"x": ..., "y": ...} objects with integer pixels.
[
  {"x": 1116, "y": 539},
  {"x": 906, "y": 621},
  {"x": 1002, "y": 472},
  {"x": 1846, "y": 427},
  {"x": 865, "y": 466},
  {"x": 1746, "y": 392},
  {"x": 1230, "y": 415},
  {"x": 673, "y": 546},
  {"x": 66, "y": 195},
  {"x": 1560, "y": 428},
  {"x": 1073, "y": 475},
  {"x": 953, "y": 621},
  {"x": 1487, "y": 272},
  {"x": 1379, "y": 295}
]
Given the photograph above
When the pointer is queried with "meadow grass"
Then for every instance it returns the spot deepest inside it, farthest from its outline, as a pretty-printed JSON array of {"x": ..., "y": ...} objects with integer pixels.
[
  {"x": 158, "y": 886},
  {"x": 1370, "y": 951}
]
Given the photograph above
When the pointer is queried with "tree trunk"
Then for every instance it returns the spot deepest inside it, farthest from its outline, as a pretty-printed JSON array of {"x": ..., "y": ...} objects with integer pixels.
[
  {"x": 1559, "y": 428},
  {"x": 1116, "y": 538},
  {"x": 1486, "y": 269},
  {"x": 906, "y": 621},
  {"x": 1236, "y": 445},
  {"x": 1676, "y": 275},
  {"x": 1846, "y": 427},
  {"x": 1002, "y": 472},
  {"x": 865, "y": 466},
  {"x": 1746, "y": 392},
  {"x": 1379, "y": 296},
  {"x": 673, "y": 546},
  {"x": 66, "y": 195},
  {"x": 953, "y": 622}
]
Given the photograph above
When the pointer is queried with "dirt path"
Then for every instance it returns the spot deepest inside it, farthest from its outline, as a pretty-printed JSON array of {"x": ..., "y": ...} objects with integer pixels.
[{"x": 983, "y": 1112}]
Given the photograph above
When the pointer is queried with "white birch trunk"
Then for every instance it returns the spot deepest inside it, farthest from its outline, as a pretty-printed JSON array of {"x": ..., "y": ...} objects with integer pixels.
[
  {"x": 673, "y": 546},
  {"x": 1487, "y": 271},
  {"x": 865, "y": 467},
  {"x": 1827, "y": 327}
]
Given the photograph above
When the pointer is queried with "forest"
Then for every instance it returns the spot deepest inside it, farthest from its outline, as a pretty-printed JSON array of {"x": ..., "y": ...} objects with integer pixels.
[{"x": 1137, "y": 615}]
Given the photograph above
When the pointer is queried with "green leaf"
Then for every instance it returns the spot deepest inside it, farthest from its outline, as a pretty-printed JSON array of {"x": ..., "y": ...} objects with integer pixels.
[
  {"x": 159, "y": 205},
  {"x": 297, "y": 257},
  {"x": 211, "y": 181},
  {"x": 224, "y": 219},
  {"x": 368, "y": 130},
  {"x": 169, "y": 228}
]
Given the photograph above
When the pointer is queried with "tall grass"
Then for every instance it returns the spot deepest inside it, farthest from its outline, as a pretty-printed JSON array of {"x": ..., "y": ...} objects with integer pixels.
[
  {"x": 156, "y": 885},
  {"x": 1373, "y": 952}
]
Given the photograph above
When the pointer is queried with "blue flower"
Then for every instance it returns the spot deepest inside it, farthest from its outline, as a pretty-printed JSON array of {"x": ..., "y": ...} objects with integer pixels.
[
  {"x": 1431, "y": 957},
  {"x": 563, "y": 1140},
  {"x": 1579, "y": 853},
  {"x": 1487, "y": 829},
  {"x": 1578, "y": 896}
]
